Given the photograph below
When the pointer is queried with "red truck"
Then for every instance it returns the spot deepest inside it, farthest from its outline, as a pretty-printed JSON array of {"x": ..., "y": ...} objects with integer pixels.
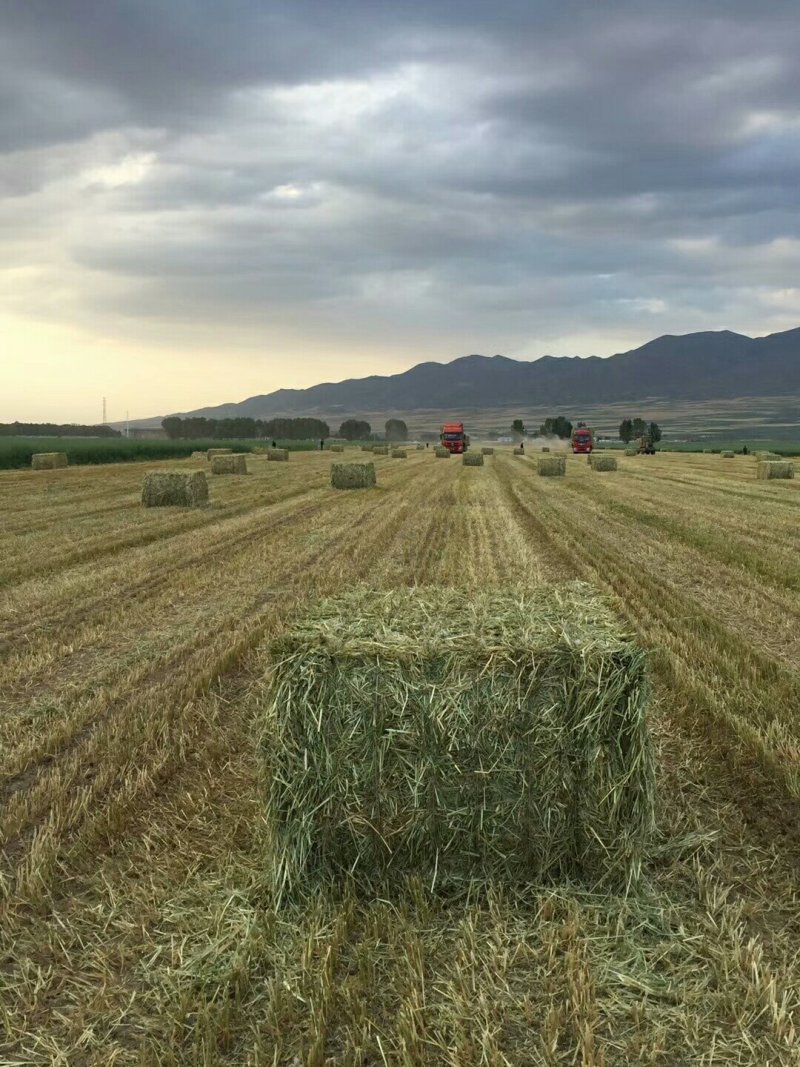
[
  {"x": 453, "y": 438},
  {"x": 582, "y": 440}
]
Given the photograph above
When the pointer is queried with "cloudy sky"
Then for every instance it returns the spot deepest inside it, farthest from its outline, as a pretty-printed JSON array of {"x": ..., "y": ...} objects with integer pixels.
[{"x": 200, "y": 201}]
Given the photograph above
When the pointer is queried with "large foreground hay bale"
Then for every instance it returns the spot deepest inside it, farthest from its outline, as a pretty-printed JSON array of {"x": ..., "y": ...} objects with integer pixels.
[
  {"x": 218, "y": 452},
  {"x": 352, "y": 475},
  {"x": 513, "y": 745},
  {"x": 163, "y": 489},
  {"x": 442, "y": 453},
  {"x": 602, "y": 463},
  {"x": 233, "y": 464},
  {"x": 337, "y": 448},
  {"x": 278, "y": 455},
  {"x": 487, "y": 451},
  {"x": 774, "y": 469},
  {"x": 726, "y": 455},
  {"x": 48, "y": 461},
  {"x": 399, "y": 453},
  {"x": 472, "y": 459},
  {"x": 552, "y": 466}
]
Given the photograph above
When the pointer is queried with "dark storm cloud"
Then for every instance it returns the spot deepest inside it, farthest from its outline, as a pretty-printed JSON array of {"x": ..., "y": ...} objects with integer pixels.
[{"x": 524, "y": 169}]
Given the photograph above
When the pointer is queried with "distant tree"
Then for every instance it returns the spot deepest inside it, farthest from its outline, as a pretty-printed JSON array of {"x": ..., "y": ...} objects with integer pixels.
[
  {"x": 638, "y": 427},
  {"x": 396, "y": 430},
  {"x": 355, "y": 430},
  {"x": 556, "y": 427},
  {"x": 655, "y": 432},
  {"x": 518, "y": 428},
  {"x": 626, "y": 431},
  {"x": 172, "y": 426}
]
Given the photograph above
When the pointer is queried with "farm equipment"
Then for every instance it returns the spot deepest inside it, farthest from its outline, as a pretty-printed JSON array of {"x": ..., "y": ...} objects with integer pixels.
[
  {"x": 582, "y": 440},
  {"x": 453, "y": 438},
  {"x": 645, "y": 446}
]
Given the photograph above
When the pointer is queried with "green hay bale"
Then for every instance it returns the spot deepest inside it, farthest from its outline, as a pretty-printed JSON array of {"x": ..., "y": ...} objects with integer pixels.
[
  {"x": 545, "y": 448},
  {"x": 457, "y": 735},
  {"x": 48, "y": 461},
  {"x": 602, "y": 463},
  {"x": 726, "y": 455},
  {"x": 487, "y": 451},
  {"x": 399, "y": 453},
  {"x": 552, "y": 466},
  {"x": 218, "y": 452},
  {"x": 337, "y": 448},
  {"x": 353, "y": 475},
  {"x": 442, "y": 453},
  {"x": 163, "y": 489},
  {"x": 380, "y": 450},
  {"x": 278, "y": 455},
  {"x": 519, "y": 451},
  {"x": 233, "y": 464},
  {"x": 774, "y": 469},
  {"x": 472, "y": 459}
]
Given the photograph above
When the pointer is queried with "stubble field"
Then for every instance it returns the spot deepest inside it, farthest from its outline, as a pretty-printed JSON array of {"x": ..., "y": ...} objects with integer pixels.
[{"x": 133, "y": 918}]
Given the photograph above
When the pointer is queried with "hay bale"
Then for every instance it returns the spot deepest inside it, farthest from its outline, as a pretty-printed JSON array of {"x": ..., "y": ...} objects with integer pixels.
[
  {"x": 602, "y": 463},
  {"x": 399, "y": 453},
  {"x": 519, "y": 451},
  {"x": 218, "y": 452},
  {"x": 545, "y": 448},
  {"x": 772, "y": 468},
  {"x": 366, "y": 448},
  {"x": 380, "y": 450},
  {"x": 726, "y": 455},
  {"x": 196, "y": 456},
  {"x": 164, "y": 489},
  {"x": 513, "y": 746},
  {"x": 337, "y": 448},
  {"x": 768, "y": 455},
  {"x": 472, "y": 459},
  {"x": 277, "y": 455},
  {"x": 552, "y": 466},
  {"x": 631, "y": 452},
  {"x": 353, "y": 475},
  {"x": 442, "y": 453},
  {"x": 487, "y": 451},
  {"x": 233, "y": 464},
  {"x": 420, "y": 448},
  {"x": 48, "y": 461}
]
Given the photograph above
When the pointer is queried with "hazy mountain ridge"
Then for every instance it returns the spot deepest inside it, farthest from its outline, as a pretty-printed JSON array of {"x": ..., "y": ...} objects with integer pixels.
[{"x": 698, "y": 366}]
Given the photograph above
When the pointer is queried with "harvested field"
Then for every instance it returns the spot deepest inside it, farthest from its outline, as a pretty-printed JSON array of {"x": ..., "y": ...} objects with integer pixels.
[{"x": 135, "y": 920}]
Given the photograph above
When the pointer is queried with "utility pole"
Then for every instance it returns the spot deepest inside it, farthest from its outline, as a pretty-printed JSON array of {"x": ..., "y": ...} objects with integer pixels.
[{"x": 104, "y": 411}]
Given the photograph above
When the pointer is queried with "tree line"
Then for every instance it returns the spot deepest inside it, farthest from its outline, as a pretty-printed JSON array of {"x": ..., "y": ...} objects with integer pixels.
[
  {"x": 196, "y": 428},
  {"x": 631, "y": 429},
  {"x": 54, "y": 429},
  {"x": 558, "y": 426}
]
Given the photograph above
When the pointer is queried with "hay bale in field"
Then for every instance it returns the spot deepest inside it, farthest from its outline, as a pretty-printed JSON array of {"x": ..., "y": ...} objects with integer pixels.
[
  {"x": 552, "y": 466},
  {"x": 726, "y": 455},
  {"x": 602, "y": 463},
  {"x": 380, "y": 450},
  {"x": 631, "y": 452},
  {"x": 184, "y": 489},
  {"x": 519, "y": 451},
  {"x": 218, "y": 452},
  {"x": 399, "y": 453},
  {"x": 472, "y": 459},
  {"x": 337, "y": 448},
  {"x": 278, "y": 455},
  {"x": 772, "y": 468},
  {"x": 48, "y": 461},
  {"x": 420, "y": 448},
  {"x": 366, "y": 448},
  {"x": 487, "y": 451},
  {"x": 513, "y": 746},
  {"x": 761, "y": 456},
  {"x": 545, "y": 448},
  {"x": 233, "y": 464},
  {"x": 196, "y": 456},
  {"x": 442, "y": 453},
  {"x": 353, "y": 475}
]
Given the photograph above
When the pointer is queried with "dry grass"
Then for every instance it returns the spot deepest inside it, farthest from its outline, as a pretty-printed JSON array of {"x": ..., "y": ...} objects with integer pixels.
[{"x": 134, "y": 927}]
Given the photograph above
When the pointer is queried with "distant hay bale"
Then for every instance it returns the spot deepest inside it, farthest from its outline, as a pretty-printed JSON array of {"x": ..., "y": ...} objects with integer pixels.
[
  {"x": 519, "y": 451},
  {"x": 420, "y": 448},
  {"x": 380, "y": 450},
  {"x": 552, "y": 466},
  {"x": 602, "y": 463},
  {"x": 163, "y": 489},
  {"x": 277, "y": 455},
  {"x": 337, "y": 448},
  {"x": 353, "y": 475},
  {"x": 631, "y": 452},
  {"x": 726, "y": 455},
  {"x": 399, "y": 453},
  {"x": 233, "y": 464},
  {"x": 472, "y": 459},
  {"x": 198, "y": 456},
  {"x": 513, "y": 746},
  {"x": 487, "y": 451},
  {"x": 772, "y": 468},
  {"x": 442, "y": 453},
  {"x": 48, "y": 461},
  {"x": 366, "y": 448},
  {"x": 218, "y": 452},
  {"x": 768, "y": 456},
  {"x": 545, "y": 448}
]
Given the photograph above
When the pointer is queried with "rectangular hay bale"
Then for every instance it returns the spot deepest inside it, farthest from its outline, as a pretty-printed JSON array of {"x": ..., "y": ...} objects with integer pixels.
[
  {"x": 631, "y": 452},
  {"x": 772, "y": 468},
  {"x": 337, "y": 448},
  {"x": 399, "y": 453},
  {"x": 442, "y": 453},
  {"x": 552, "y": 466},
  {"x": 545, "y": 448},
  {"x": 233, "y": 464},
  {"x": 278, "y": 455},
  {"x": 48, "y": 461},
  {"x": 487, "y": 451},
  {"x": 380, "y": 450},
  {"x": 218, "y": 452},
  {"x": 602, "y": 463},
  {"x": 512, "y": 745},
  {"x": 472, "y": 459},
  {"x": 353, "y": 475},
  {"x": 519, "y": 451},
  {"x": 726, "y": 455},
  {"x": 185, "y": 489}
]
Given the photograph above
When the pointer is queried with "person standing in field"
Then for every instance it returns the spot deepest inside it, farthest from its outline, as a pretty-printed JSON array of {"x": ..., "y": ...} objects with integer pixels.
[{"x": 321, "y": 443}]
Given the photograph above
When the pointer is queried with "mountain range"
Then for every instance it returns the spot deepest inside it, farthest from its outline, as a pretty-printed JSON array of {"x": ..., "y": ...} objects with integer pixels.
[{"x": 695, "y": 366}]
